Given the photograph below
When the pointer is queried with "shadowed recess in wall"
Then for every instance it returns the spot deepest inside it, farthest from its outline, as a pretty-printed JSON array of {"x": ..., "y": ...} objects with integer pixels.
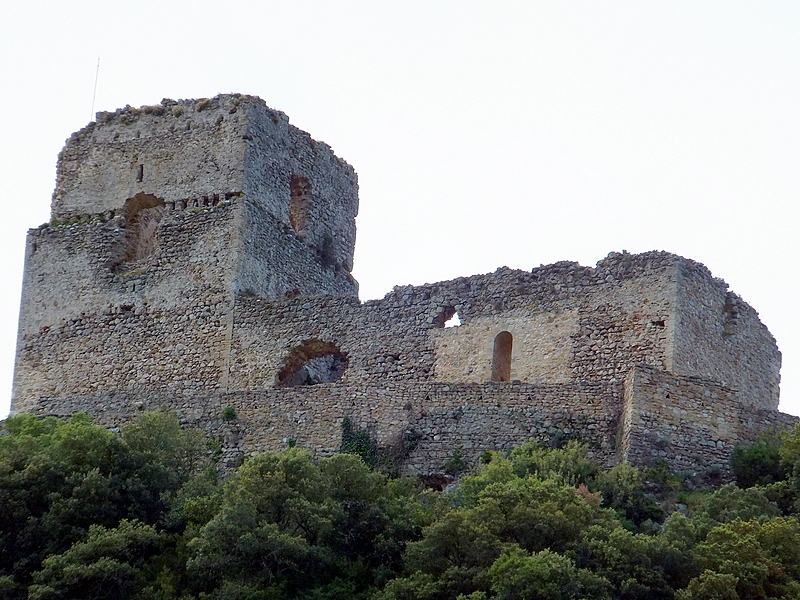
[
  {"x": 310, "y": 363},
  {"x": 299, "y": 201},
  {"x": 501, "y": 357},
  {"x": 143, "y": 213}
]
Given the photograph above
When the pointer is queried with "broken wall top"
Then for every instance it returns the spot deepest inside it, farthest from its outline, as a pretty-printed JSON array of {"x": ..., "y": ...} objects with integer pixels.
[{"x": 193, "y": 148}]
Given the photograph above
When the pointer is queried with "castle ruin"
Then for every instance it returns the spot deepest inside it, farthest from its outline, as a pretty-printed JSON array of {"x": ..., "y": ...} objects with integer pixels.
[{"x": 199, "y": 256}]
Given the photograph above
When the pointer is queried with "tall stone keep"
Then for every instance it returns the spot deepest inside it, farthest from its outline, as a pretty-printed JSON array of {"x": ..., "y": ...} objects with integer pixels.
[{"x": 161, "y": 216}]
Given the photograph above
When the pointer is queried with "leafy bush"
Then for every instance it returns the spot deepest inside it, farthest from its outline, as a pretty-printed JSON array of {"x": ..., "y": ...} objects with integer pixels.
[
  {"x": 60, "y": 478},
  {"x": 760, "y": 463},
  {"x": 455, "y": 464},
  {"x": 569, "y": 463},
  {"x": 622, "y": 489},
  {"x": 88, "y": 513}
]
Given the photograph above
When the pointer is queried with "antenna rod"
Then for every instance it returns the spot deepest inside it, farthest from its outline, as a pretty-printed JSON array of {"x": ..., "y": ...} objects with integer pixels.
[{"x": 94, "y": 94}]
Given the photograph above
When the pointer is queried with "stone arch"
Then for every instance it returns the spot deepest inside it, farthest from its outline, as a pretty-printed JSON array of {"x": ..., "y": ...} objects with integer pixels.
[
  {"x": 501, "y": 356},
  {"x": 299, "y": 202},
  {"x": 142, "y": 213},
  {"x": 310, "y": 363}
]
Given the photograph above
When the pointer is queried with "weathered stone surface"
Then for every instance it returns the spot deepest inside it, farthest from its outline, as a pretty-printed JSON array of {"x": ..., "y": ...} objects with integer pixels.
[{"x": 200, "y": 254}]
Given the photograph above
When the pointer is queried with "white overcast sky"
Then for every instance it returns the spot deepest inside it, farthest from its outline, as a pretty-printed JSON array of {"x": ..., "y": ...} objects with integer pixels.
[{"x": 484, "y": 133}]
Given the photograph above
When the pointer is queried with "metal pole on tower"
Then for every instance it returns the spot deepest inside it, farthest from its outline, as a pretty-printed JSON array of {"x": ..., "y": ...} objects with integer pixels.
[{"x": 94, "y": 93}]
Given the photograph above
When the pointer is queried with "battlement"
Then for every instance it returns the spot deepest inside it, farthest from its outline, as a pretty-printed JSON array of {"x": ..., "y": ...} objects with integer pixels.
[{"x": 200, "y": 254}]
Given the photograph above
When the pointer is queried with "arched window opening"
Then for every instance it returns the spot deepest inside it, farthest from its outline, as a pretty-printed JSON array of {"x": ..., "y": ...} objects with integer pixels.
[
  {"x": 501, "y": 357},
  {"x": 143, "y": 213},
  {"x": 299, "y": 202},
  {"x": 310, "y": 363}
]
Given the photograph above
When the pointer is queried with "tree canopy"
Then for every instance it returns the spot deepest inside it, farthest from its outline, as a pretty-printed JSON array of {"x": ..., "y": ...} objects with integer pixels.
[{"x": 143, "y": 513}]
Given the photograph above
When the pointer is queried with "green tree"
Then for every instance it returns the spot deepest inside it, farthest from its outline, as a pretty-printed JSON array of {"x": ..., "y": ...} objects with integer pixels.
[
  {"x": 168, "y": 453},
  {"x": 759, "y": 463},
  {"x": 711, "y": 586},
  {"x": 60, "y": 477},
  {"x": 638, "y": 566},
  {"x": 729, "y": 503},
  {"x": 757, "y": 560},
  {"x": 106, "y": 566},
  {"x": 622, "y": 489},
  {"x": 497, "y": 512},
  {"x": 790, "y": 449},
  {"x": 543, "y": 575},
  {"x": 295, "y": 528},
  {"x": 570, "y": 463}
]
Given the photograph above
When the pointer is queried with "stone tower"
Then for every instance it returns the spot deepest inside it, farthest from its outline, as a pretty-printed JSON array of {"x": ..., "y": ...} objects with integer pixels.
[{"x": 161, "y": 216}]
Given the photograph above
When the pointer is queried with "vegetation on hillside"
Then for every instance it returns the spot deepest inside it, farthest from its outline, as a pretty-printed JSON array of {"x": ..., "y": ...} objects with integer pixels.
[{"x": 92, "y": 514}]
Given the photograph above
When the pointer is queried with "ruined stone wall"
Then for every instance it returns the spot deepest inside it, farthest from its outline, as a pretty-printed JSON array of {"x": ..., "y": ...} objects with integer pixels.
[
  {"x": 221, "y": 147},
  {"x": 276, "y": 262},
  {"x": 199, "y": 255},
  {"x": 88, "y": 323},
  {"x": 577, "y": 324},
  {"x": 720, "y": 337},
  {"x": 79, "y": 268},
  {"x": 689, "y": 422},
  {"x": 169, "y": 335},
  {"x": 160, "y": 217},
  {"x": 542, "y": 347},
  {"x": 175, "y": 150},
  {"x": 423, "y": 423},
  {"x": 756, "y": 421},
  {"x": 303, "y": 184},
  {"x": 377, "y": 347},
  {"x": 569, "y": 323},
  {"x": 430, "y": 421}
]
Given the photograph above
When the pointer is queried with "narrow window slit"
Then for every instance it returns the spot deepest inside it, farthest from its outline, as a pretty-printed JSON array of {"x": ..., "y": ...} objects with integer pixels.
[{"x": 299, "y": 202}]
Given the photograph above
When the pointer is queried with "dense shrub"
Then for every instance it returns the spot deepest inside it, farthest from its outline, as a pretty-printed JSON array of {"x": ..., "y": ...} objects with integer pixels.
[
  {"x": 759, "y": 463},
  {"x": 90, "y": 514}
]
